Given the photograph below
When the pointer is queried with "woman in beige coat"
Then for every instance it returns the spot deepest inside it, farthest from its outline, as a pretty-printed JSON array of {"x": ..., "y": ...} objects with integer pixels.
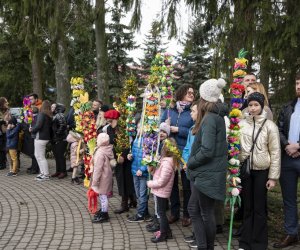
[{"x": 265, "y": 171}]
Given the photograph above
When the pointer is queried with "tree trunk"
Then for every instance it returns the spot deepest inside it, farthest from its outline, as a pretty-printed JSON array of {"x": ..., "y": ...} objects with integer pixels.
[
  {"x": 62, "y": 74},
  {"x": 101, "y": 52},
  {"x": 37, "y": 81},
  {"x": 264, "y": 71}
]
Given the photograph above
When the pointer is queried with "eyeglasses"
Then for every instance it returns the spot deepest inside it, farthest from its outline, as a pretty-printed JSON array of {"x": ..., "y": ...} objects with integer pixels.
[{"x": 190, "y": 93}]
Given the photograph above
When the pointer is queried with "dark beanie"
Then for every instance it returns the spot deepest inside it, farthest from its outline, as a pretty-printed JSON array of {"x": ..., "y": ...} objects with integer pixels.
[
  {"x": 256, "y": 96},
  {"x": 104, "y": 108}
]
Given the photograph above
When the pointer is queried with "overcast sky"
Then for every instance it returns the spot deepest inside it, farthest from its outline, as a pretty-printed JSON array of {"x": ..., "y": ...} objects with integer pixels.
[{"x": 151, "y": 10}]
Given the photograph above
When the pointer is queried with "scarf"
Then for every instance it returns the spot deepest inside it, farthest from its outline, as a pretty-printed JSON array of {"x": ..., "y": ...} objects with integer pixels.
[{"x": 180, "y": 105}]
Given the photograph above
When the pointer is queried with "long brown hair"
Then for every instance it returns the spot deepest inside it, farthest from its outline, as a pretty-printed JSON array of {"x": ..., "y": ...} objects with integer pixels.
[
  {"x": 3, "y": 101},
  {"x": 46, "y": 108},
  {"x": 203, "y": 107},
  {"x": 167, "y": 152}
]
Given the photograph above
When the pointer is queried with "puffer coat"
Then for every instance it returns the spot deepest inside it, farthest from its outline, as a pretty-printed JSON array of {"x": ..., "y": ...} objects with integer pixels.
[{"x": 267, "y": 151}]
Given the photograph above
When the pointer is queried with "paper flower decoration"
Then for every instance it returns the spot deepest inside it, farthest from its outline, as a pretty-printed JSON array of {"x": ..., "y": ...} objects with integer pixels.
[{"x": 27, "y": 115}]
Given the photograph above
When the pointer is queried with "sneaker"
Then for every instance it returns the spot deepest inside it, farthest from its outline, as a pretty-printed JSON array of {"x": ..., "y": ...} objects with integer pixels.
[
  {"x": 135, "y": 218},
  {"x": 148, "y": 218},
  {"x": 39, "y": 176},
  {"x": 189, "y": 239},
  {"x": 11, "y": 174},
  {"x": 43, "y": 178},
  {"x": 193, "y": 244}
]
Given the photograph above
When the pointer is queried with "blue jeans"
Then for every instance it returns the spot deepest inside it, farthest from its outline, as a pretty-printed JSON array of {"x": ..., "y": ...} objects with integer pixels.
[
  {"x": 141, "y": 191},
  {"x": 290, "y": 172}
]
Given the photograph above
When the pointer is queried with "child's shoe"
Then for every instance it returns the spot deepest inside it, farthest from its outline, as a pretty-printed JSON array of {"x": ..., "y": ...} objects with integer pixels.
[
  {"x": 75, "y": 181},
  {"x": 11, "y": 174},
  {"x": 102, "y": 217},
  {"x": 136, "y": 218}
]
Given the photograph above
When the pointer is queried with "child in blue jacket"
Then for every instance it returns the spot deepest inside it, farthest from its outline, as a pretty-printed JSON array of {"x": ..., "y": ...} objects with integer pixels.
[
  {"x": 12, "y": 140},
  {"x": 140, "y": 177}
]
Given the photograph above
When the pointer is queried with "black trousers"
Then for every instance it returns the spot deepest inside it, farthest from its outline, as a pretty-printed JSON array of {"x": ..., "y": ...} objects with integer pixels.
[
  {"x": 34, "y": 164},
  {"x": 201, "y": 209},
  {"x": 174, "y": 199},
  {"x": 255, "y": 231},
  {"x": 162, "y": 212},
  {"x": 2, "y": 158},
  {"x": 59, "y": 149}
]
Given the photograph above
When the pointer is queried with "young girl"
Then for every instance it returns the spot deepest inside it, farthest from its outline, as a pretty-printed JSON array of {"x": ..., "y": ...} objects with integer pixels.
[
  {"x": 76, "y": 160},
  {"x": 161, "y": 187},
  {"x": 265, "y": 171},
  {"x": 102, "y": 175}
]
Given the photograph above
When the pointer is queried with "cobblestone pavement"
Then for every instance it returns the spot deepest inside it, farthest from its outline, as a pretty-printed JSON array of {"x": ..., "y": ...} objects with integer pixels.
[{"x": 53, "y": 215}]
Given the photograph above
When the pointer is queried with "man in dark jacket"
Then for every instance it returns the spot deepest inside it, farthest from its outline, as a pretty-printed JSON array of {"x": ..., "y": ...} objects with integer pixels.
[
  {"x": 58, "y": 140},
  {"x": 289, "y": 130}
]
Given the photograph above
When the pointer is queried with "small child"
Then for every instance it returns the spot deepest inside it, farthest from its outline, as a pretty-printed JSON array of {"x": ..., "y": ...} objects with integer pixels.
[
  {"x": 161, "y": 187},
  {"x": 164, "y": 132},
  {"x": 102, "y": 178},
  {"x": 140, "y": 177},
  {"x": 76, "y": 157},
  {"x": 12, "y": 136}
]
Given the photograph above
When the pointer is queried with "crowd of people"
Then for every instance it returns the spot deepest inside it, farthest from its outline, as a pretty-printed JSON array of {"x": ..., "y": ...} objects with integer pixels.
[{"x": 198, "y": 129}]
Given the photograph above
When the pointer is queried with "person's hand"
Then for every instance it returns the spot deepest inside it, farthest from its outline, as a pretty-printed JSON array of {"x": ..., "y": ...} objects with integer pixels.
[
  {"x": 129, "y": 157},
  {"x": 30, "y": 129},
  {"x": 150, "y": 170},
  {"x": 168, "y": 121},
  {"x": 139, "y": 173},
  {"x": 184, "y": 167},
  {"x": 296, "y": 155},
  {"x": 292, "y": 148},
  {"x": 270, "y": 184},
  {"x": 174, "y": 129},
  {"x": 120, "y": 159}
]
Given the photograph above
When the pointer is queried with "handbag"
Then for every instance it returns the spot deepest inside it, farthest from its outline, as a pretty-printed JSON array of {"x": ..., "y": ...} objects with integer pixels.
[{"x": 247, "y": 163}]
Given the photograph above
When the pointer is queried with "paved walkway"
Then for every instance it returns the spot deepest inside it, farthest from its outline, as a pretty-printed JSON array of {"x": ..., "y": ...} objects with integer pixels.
[{"x": 54, "y": 215}]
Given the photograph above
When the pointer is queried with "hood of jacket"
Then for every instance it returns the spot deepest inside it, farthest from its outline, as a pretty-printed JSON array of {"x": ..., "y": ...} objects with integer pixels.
[
  {"x": 73, "y": 136},
  {"x": 221, "y": 109},
  {"x": 60, "y": 108}
]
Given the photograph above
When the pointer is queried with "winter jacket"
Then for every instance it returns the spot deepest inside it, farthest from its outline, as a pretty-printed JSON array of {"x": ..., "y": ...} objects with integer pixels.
[
  {"x": 70, "y": 119},
  {"x": 102, "y": 179},
  {"x": 137, "y": 154},
  {"x": 59, "y": 124},
  {"x": 206, "y": 167},
  {"x": 181, "y": 120},
  {"x": 42, "y": 129},
  {"x": 284, "y": 122},
  {"x": 73, "y": 139},
  {"x": 266, "y": 108},
  {"x": 12, "y": 137},
  {"x": 188, "y": 147},
  {"x": 163, "y": 178},
  {"x": 266, "y": 153}
]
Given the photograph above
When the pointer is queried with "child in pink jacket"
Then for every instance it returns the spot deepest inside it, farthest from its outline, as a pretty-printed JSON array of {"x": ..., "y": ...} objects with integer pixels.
[
  {"x": 161, "y": 187},
  {"x": 102, "y": 178}
]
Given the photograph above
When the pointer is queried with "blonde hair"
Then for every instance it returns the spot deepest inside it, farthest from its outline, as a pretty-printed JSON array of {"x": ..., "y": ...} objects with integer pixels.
[
  {"x": 167, "y": 152},
  {"x": 259, "y": 87}
]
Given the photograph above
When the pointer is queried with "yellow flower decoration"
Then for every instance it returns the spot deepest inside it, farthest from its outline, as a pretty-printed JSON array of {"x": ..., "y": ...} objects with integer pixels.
[
  {"x": 235, "y": 113},
  {"x": 240, "y": 73},
  {"x": 84, "y": 98}
]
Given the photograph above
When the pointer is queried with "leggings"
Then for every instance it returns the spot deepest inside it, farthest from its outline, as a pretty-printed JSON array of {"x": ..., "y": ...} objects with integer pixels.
[{"x": 104, "y": 202}]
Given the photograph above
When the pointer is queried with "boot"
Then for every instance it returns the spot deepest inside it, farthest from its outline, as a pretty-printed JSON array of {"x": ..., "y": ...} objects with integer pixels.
[
  {"x": 159, "y": 237},
  {"x": 102, "y": 217},
  {"x": 124, "y": 206},
  {"x": 75, "y": 181},
  {"x": 133, "y": 202},
  {"x": 154, "y": 226}
]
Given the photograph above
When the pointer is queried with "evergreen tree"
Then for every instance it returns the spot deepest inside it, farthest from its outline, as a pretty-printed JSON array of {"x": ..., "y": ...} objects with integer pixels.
[
  {"x": 195, "y": 61},
  {"x": 153, "y": 44},
  {"x": 120, "y": 41}
]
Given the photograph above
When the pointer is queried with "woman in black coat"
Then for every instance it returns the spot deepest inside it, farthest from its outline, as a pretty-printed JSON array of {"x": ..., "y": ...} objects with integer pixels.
[{"x": 58, "y": 140}]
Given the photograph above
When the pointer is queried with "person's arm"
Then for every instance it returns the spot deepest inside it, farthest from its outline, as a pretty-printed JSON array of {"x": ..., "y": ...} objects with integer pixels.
[
  {"x": 206, "y": 149},
  {"x": 11, "y": 133},
  {"x": 98, "y": 169},
  {"x": 275, "y": 153},
  {"x": 283, "y": 139},
  {"x": 39, "y": 123},
  {"x": 164, "y": 116},
  {"x": 187, "y": 149},
  {"x": 164, "y": 177},
  {"x": 62, "y": 125}
]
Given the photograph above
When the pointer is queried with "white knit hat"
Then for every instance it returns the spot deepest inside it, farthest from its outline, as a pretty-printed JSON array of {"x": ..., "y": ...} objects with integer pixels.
[{"x": 211, "y": 89}]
